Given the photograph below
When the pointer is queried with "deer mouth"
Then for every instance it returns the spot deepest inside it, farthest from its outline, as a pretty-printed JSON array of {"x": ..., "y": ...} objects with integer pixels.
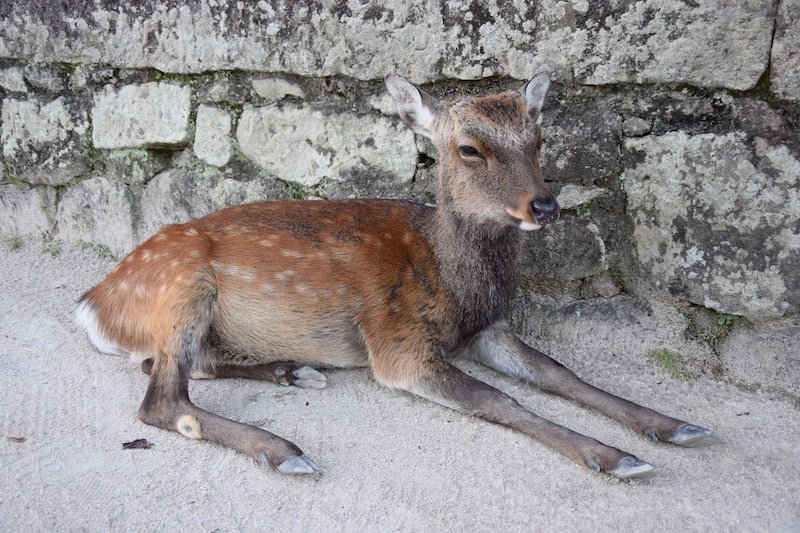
[{"x": 523, "y": 221}]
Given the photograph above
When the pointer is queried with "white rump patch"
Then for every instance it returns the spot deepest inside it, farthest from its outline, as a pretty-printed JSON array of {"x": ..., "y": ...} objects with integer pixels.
[
  {"x": 86, "y": 318},
  {"x": 528, "y": 226}
]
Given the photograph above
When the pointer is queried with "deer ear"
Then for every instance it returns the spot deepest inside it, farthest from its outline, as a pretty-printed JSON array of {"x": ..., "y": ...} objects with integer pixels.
[
  {"x": 535, "y": 91},
  {"x": 417, "y": 108}
]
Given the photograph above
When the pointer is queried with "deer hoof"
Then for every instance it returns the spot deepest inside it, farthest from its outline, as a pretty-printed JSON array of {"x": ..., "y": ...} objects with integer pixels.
[
  {"x": 632, "y": 468},
  {"x": 308, "y": 378},
  {"x": 301, "y": 464},
  {"x": 693, "y": 436}
]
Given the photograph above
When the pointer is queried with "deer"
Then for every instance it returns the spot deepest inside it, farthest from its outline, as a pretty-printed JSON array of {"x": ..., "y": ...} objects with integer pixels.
[{"x": 277, "y": 289}]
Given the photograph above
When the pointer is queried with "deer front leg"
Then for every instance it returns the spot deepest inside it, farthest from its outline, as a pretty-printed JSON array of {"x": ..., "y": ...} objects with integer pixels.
[
  {"x": 436, "y": 380},
  {"x": 497, "y": 347}
]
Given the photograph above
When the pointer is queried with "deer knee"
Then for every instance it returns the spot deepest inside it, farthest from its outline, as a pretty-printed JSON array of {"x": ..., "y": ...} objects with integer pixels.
[{"x": 405, "y": 371}]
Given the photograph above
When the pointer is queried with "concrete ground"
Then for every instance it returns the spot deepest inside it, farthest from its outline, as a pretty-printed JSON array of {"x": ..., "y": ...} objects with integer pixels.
[{"x": 390, "y": 461}]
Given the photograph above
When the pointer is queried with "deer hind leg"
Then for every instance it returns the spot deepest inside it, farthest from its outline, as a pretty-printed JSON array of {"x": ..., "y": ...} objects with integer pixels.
[
  {"x": 435, "y": 379},
  {"x": 166, "y": 403},
  {"x": 498, "y": 348},
  {"x": 281, "y": 373}
]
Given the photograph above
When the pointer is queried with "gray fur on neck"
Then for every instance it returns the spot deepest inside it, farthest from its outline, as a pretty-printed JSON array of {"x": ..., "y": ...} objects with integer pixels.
[{"x": 478, "y": 264}]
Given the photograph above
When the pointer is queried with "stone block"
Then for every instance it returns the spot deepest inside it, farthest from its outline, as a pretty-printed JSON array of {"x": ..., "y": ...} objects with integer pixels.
[
  {"x": 303, "y": 145},
  {"x": 570, "y": 249},
  {"x": 715, "y": 43},
  {"x": 134, "y": 166},
  {"x": 43, "y": 140},
  {"x": 98, "y": 211},
  {"x": 785, "y": 61},
  {"x": 711, "y": 43},
  {"x": 581, "y": 141},
  {"x": 12, "y": 80},
  {"x": 212, "y": 138},
  {"x": 571, "y": 196},
  {"x": 26, "y": 210},
  {"x": 715, "y": 220},
  {"x": 48, "y": 78},
  {"x": 138, "y": 116},
  {"x": 274, "y": 89}
]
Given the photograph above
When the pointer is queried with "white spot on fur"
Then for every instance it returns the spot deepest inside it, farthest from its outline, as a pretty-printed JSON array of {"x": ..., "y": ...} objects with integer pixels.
[
  {"x": 191, "y": 232},
  {"x": 233, "y": 270},
  {"x": 147, "y": 256},
  {"x": 189, "y": 426},
  {"x": 292, "y": 253},
  {"x": 306, "y": 290},
  {"x": 86, "y": 318},
  {"x": 284, "y": 276}
]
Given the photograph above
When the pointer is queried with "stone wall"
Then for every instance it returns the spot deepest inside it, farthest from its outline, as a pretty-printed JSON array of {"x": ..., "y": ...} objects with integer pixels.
[{"x": 671, "y": 127}]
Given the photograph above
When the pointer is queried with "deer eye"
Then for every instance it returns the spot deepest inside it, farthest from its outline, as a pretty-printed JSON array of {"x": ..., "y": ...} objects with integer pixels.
[{"x": 469, "y": 151}]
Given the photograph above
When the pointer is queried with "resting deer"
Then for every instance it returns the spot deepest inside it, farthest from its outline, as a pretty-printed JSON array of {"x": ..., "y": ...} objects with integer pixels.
[{"x": 270, "y": 290}]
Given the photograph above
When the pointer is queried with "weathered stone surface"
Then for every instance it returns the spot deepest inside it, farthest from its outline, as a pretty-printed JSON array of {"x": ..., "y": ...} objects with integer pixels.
[
  {"x": 26, "y": 210},
  {"x": 758, "y": 118},
  {"x": 212, "y": 138},
  {"x": 785, "y": 61},
  {"x": 11, "y": 80},
  {"x": 712, "y": 43},
  {"x": 274, "y": 89},
  {"x": 178, "y": 196},
  {"x": 566, "y": 328},
  {"x": 570, "y": 249},
  {"x": 636, "y": 126},
  {"x": 48, "y": 78},
  {"x": 43, "y": 141},
  {"x": 134, "y": 166},
  {"x": 303, "y": 145},
  {"x": 582, "y": 143},
  {"x": 571, "y": 196},
  {"x": 716, "y": 220},
  {"x": 715, "y": 43},
  {"x": 146, "y": 115},
  {"x": 98, "y": 211},
  {"x": 768, "y": 356}
]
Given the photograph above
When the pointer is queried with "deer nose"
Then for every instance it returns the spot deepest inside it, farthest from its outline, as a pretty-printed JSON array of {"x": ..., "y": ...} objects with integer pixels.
[{"x": 545, "y": 211}]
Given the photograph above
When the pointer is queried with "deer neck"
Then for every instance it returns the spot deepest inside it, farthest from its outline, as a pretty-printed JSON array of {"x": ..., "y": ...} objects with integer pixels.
[{"x": 478, "y": 265}]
